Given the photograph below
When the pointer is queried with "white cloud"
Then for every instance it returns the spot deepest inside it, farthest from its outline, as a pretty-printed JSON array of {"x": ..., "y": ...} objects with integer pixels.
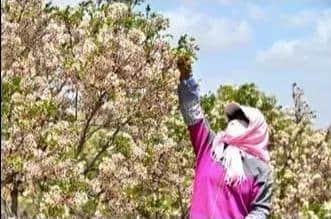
[
  {"x": 311, "y": 54},
  {"x": 255, "y": 12},
  {"x": 302, "y": 18},
  {"x": 211, "y": 33}
]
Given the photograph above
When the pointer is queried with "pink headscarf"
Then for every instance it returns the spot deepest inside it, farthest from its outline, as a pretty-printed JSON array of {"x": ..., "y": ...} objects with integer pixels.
[
  {"x": 256, "y": 137},
  {"x": 253, "y": 139}
]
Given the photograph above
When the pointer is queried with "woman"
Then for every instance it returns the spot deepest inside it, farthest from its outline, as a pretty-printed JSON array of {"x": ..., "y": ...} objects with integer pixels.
[{"x": 232, "y": 176}]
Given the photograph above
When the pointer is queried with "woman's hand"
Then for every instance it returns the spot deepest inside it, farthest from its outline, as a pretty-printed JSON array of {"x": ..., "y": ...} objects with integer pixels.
[
  {"x": 184, "y": 65},
  {"x": 185, "y": 75}
]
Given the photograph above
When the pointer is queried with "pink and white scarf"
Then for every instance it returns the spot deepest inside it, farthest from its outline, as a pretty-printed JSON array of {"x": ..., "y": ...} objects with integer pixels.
[{"x": 241, "y": 137}]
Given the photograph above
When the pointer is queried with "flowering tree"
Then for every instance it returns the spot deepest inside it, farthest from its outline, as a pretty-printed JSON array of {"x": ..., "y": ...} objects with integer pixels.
[
  {"x": 90, "y": 124},
  {"x": 81, "y": 89},
  {"x": 301, "y": 157}
]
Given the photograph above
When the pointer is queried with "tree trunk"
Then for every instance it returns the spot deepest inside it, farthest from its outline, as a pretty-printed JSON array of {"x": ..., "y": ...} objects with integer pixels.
[{"x": 14, "y": 198}]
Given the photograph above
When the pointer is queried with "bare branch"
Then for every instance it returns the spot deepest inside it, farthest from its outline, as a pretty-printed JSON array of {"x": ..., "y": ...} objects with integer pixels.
[
  {"x": 105, "y": 147},
  {"x": 82, "y": 139}
]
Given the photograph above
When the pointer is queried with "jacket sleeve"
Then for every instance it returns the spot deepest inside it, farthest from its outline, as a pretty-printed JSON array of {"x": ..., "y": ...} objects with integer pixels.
[
  {"x": 261, "y": 204},
  {"x": 189, "y": 103}
]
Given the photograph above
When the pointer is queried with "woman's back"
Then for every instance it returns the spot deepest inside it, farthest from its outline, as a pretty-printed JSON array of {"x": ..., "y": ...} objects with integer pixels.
[{"x": 212, "y": 197}]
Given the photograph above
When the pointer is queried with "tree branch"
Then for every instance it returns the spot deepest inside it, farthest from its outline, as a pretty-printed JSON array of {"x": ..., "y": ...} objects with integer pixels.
[
  {"x": 82, "y": 139},
  {"x": 105, "y": 147}
]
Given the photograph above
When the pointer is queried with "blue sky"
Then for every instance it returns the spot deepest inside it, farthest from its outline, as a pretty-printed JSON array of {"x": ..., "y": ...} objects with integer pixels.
[{"x": 270, "y": 43}]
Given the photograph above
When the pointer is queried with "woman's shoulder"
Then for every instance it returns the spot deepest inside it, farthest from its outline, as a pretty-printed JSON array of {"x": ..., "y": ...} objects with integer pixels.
[{"x": 254, "y": 166}]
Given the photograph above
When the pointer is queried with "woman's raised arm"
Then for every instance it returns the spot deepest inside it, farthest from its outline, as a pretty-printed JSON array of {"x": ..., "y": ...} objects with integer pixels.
[{"x": 189, "y": 102}]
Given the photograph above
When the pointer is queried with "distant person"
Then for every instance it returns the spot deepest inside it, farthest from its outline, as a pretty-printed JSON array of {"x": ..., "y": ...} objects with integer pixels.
[{"x": 232, "y": 176}]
